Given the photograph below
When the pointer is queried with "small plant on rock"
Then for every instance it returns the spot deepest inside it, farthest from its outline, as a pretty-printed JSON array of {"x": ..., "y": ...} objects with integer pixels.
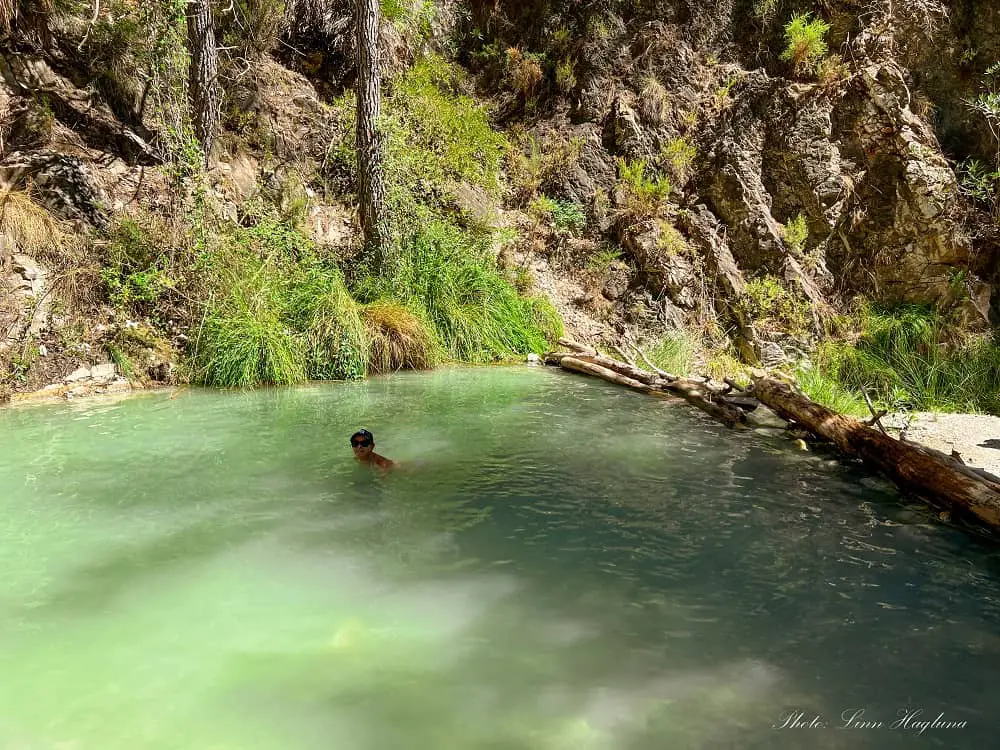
[
  {"x": 805, "y": 37},
  {"x": 678, "y": 155},
  {"x": 796, "y": 233},
  {"x": 644, "y": 197},
  {"x": 653, "y": 101},
  {"x": 524, "y": 72},
  {"x": 566, "y": 75}
]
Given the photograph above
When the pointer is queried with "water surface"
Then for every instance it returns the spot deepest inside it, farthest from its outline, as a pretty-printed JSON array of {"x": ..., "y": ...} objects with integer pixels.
[{"x": 560, "y": 564}]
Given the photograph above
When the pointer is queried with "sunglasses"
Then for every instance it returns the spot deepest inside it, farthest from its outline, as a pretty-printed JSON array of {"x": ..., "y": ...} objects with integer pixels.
[{"x": 360, "y": 444}]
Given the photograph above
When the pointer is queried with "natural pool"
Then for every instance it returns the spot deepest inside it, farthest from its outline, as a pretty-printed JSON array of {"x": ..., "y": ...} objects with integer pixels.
[{"x": 562, "y": 564}]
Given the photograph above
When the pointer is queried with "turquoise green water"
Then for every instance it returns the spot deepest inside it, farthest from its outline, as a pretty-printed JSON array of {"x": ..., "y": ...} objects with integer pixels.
[{"x": 560, "y": 564}]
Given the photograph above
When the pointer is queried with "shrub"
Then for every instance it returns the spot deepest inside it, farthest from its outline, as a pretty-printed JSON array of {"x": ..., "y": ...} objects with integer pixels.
[
  {"x": 524, "y": 72},
  {"x": 796, "y": 234},
  {"x": 566, "y": 215},
  {"x": 644, "y": 197},
  {"x": 678, "y": 156},
  {"x": 671, "y": 241},
  {"x": 805, "y": 39},
  {"x": 434, "y": 134},
  {"x": 600, "y": 262},
  {"x": 773, "y": 306},
  {"x": 566, "y": 75},
  {"x": 831, "y": 69},
  {"x": 536, "y": 166},
  {"x": 765, "y": 9}
]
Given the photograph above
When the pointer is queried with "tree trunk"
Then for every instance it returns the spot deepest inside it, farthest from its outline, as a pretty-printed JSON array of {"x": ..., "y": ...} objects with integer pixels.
[
  {"x": 927, "y": 472},
  {"x": 203, "y": 89},
  {"x": 371, "y": 186}
]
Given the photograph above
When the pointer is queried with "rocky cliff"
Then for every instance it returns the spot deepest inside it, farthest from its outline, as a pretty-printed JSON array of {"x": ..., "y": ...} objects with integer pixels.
[{"x": 669, "y": 168}]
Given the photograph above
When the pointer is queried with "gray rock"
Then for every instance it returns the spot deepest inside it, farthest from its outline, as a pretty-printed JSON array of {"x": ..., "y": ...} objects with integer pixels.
[
  {"x": 617, "y": 281},
  {"x": 104, "y": 372},
  {"x": 80, "y": 373}
]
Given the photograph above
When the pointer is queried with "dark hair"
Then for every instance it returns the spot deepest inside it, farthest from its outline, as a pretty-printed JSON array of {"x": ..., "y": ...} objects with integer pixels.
[{"x": 363, "y": 434}]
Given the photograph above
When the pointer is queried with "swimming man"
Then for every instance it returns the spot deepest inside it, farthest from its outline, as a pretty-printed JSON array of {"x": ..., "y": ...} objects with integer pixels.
[{"x": 363, "y": 443}]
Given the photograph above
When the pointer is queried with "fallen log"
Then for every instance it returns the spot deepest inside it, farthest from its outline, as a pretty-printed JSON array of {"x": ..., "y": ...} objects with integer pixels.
[
  {"x": 695, "y": 393},
  {"x": 571, "y": 362},
  {"x": 575, "y": 346},
  {"x": 927, "y": 473}
]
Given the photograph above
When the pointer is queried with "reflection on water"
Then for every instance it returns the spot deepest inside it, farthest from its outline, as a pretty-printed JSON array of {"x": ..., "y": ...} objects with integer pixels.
[{"x": 559, "y": 564}]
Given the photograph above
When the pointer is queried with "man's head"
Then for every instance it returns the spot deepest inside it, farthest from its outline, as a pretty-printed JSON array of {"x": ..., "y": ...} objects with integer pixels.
[{"x": 363, "y": 443}]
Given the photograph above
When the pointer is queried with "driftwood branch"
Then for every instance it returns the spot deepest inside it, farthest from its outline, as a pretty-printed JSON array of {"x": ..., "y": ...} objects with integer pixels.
[{"x": 876, "y": 417}]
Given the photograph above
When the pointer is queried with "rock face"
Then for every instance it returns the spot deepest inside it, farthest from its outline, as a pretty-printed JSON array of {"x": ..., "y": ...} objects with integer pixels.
[{"x": 855, "y": 155}]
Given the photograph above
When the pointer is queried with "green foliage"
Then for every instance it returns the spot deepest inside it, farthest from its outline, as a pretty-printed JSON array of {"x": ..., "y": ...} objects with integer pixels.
[
  {"x": 535, "y": 166},
  {"x": 765, "y": 9},
  {"x": 433, "y": 134},
  {"x": 678, "y": 156},
  {"x": 525, "y": 71},
  {"x": 566, "y": 215},
  {"x": 410, "y": 16},
  {"x": 135, "y": 272},
  {"x": 249, "y": 29},
  {"x": 978, "y": 181},
  {"x": 805, "y": 39},
  {"x": 671, "y": 241},
  {"x": 796, "y": 234},
  {"x": 644, "y": 197},
  {"x": 566, "y": 75},
  {"x": 476, "y": 313},
  {"x": 773, "y": 306},
  {"x": 245, "y": 340},
  {"x": 723, "y": 94},
  {"x": 393, "y": 10},
  {"x": 831, "y": 69},
  {"x": 600, "y": 262},
  {"x": 905, "y": 360},
  {"x": 137, "y": 52},
  {"x": 826, "y": 390}
]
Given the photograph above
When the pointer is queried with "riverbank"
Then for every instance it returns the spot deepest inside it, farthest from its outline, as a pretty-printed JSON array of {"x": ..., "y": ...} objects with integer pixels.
[{"x": 975, "y": 437}]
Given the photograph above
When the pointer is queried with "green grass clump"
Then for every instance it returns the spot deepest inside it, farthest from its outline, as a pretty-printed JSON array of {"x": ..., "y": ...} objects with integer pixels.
[
  {"x": 908, "y": 357},
  {"x": 475, "y": 312},
  {"x": 245, "y": 339},
  {"x": 675, "y": 353},
  {"x": 277, "y": 315},
  {"x": 645, "y": 197},
  {"x": 826, "y": 390}
]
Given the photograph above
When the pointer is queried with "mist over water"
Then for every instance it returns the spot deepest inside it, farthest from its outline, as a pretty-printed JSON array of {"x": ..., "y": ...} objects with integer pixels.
[{"x": 558, "y": 564}]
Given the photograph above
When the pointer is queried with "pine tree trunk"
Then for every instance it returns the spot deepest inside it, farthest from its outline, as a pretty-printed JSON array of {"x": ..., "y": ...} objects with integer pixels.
[
  {"x": 371, "y": 185},
  {"x": 203, "y": 90}
]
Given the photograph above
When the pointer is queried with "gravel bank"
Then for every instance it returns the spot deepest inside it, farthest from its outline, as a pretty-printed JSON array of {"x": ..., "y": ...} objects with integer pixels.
[{"x": 976, "y": 437}]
